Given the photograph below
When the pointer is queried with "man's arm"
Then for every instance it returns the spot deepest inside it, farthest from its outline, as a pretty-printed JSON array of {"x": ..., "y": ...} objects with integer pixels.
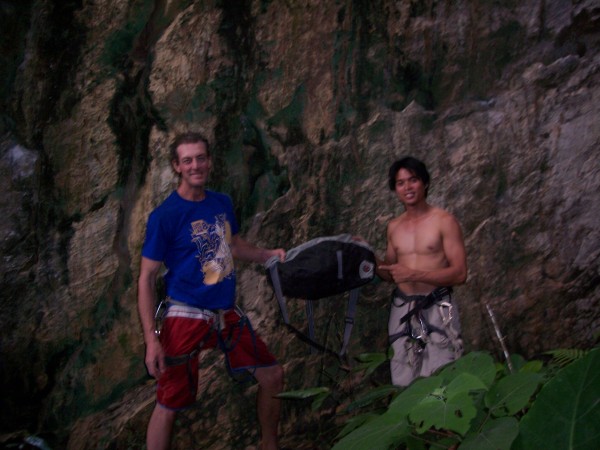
[
  {"x": 155, "y": 360},
  {"x": 454, "y": 249},
  {"x": 388, "y": 259},
  {"x": 453, "y": 274},
  {"x": 245, "y": 251}
]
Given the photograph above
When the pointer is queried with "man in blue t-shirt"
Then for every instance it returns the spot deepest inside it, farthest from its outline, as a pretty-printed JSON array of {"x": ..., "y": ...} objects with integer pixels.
[{"x": 195, "y": 234}]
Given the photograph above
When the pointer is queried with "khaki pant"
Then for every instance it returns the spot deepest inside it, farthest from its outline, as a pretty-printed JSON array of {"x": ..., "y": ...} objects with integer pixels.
[{"x": 433, "y": 338}]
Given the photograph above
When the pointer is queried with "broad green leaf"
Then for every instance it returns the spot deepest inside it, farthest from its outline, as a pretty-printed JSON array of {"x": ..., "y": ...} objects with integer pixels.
[
  {"x": 497, "y": 434},
  {"x": 415, "y": 442},
  {"x": 413, "y": 394},
  {"x": 465, "y": 382},
  {"x": 479, "y": 364},
  {"x": 512, "y": 393},
  {"x": 429, "y": 442},
  {"x": 566, "y": 412},
  {"x": 370, "y": 357},
  {"x": 517, "y": 362},
  {"x": 318, "y": 400},
  {"x": 482, "y": 412},
  {"x": 303, "y": 393},
  {"x": 355, "y": 422},
  {"x": 454, "y": 413},
  {"x": 381, "y": 433},
  {"x": 369, "y": 362},
  {"x": 391, "y": 427},
  {"x": 534, "y": 366},
  {"x": 371, "y": 396}
]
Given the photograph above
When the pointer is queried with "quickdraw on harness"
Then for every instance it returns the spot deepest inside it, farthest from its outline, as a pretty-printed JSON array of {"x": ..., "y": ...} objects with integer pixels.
[
  {"x": 440, "y": 296},
  {"x": 322, "y": 268},
  {"x": 226, "y": 343}
]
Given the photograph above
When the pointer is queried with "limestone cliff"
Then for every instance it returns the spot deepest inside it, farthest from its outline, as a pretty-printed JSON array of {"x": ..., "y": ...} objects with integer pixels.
[{"x": 306, "y": 103}]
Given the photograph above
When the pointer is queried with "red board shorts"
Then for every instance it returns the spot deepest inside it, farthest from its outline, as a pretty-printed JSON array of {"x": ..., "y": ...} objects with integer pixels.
[{"x": 184, "y": 330}]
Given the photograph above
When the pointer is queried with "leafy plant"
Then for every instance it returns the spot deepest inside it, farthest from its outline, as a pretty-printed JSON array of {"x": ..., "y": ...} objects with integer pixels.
[
  {"x": 320, "y": 394},
  {"x": 566, "y": 412},
  {"x": 565, "y": 356},
  {"x": 478, "y": 404}
]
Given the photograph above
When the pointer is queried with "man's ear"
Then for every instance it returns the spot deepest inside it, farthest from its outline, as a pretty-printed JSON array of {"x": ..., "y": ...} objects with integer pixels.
[{"x": 175, "y": 165}]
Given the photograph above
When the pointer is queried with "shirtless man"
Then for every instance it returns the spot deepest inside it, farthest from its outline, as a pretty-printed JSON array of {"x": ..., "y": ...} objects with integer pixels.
[{"x": 425, "y": 257}]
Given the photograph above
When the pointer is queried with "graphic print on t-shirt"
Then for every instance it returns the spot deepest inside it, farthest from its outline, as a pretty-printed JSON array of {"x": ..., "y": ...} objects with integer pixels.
[{"x": 214, "y": 254}]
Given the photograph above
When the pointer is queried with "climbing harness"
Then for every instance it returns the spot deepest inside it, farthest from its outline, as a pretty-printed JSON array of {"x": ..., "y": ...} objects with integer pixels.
[
  {"x": 216, "y": 319},
  {"x": 442, "y": 297}
]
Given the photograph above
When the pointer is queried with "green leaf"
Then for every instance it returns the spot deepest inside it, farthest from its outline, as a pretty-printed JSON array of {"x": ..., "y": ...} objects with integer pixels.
[
  {"x": 566, "y": 412},
  {"x": 392, "y": 427},
  {"x": 371, "y": 357},
  {"x": 512, "y": 393},
  {"x": 303, "y": 393},
  {"x": 372, "y": 396},
  {"x": 479, "y": 364},
  {"x": 497, "y": 434},
  {"x": 380, "y": 433},
  {"x": 414, "y": 442},
  {"x": 564, "y": 356},
  {"x": 465, "y": 382},
  {"x": 454, "y": 413},
  {"x": 413, "y": 394},
  {"x": 534, "y": 366},
  {"x": 319, "y": 399},
  {"x": 369, "y": 362},
  {"x": 355, "y": 422},
  {"x": 517, "y": 362}
]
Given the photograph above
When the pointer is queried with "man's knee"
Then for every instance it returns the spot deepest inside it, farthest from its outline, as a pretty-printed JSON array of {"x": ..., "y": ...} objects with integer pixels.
[
  {"x": 163, "y": 417},
  {"x": 160, "y": 428},
  {"x": 270, "y": 377}
]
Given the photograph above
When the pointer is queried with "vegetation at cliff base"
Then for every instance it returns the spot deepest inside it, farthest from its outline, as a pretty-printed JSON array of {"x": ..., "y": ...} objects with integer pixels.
[{"x": 476, "y": 403}]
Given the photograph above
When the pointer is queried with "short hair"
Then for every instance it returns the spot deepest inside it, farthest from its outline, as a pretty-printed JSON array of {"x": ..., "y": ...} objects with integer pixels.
[
  {"x": 414, "y": 166},
  {"x": 190, "y": 137}
]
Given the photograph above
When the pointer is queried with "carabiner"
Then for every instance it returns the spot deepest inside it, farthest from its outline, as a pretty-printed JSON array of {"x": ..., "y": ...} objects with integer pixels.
[{"x": 159, "y": 315}]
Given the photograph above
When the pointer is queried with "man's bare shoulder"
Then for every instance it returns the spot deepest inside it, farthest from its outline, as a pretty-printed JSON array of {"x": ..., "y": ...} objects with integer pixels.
[
  {"x": 447, "y": 223},
  {"x": 396, "y": 221},
  {"x": 442, "y": 214}
]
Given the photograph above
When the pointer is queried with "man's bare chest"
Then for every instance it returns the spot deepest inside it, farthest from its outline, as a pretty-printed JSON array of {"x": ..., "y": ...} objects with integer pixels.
[{"x": 417, "y": 239}]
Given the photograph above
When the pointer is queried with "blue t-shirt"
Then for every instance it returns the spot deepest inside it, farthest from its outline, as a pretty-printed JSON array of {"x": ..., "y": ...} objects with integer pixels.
[{"x": 192, "y": 239}]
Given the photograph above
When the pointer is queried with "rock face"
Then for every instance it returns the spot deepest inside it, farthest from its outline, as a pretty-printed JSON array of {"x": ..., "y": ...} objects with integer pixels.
[{"x": 307, "y": 103}]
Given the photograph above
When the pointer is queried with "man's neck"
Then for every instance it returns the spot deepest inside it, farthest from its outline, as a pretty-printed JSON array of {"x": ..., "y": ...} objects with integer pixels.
[
  {"x": 191, "y": 194},
  {"x": 417, "y": 211}
]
